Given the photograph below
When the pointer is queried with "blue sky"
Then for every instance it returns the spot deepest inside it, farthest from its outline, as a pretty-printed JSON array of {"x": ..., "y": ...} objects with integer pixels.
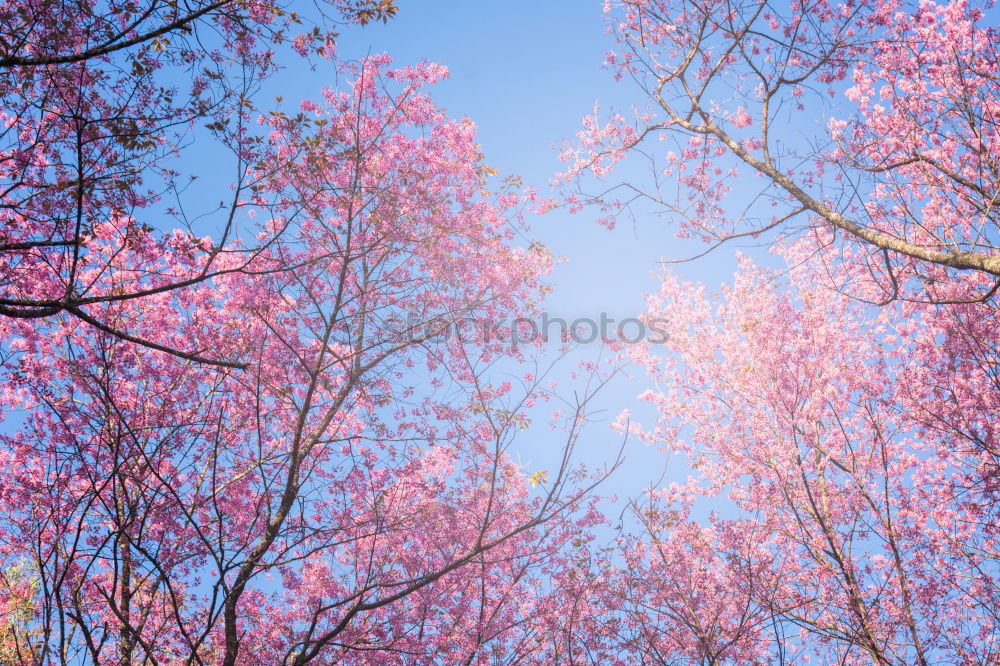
[{"x": 526, "y": 73}]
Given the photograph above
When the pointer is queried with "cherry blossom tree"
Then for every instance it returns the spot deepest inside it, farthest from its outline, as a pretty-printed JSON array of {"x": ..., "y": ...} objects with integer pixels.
[
  {"x": 867, "y": 130},
  {"x": 842, "y": 500},
  {"x": 335, "y": 484},
  {"x": 279, "y": 431},
  {"x": 837, "y": 416},
  {"x": 104, "y": 105}
]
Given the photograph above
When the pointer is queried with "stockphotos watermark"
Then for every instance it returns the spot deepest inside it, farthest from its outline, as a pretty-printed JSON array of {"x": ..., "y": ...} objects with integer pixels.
[{"x": 529, "y": 330}]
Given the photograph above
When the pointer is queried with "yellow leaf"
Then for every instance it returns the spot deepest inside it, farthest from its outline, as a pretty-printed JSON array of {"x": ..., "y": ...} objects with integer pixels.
[{"x": 538, "y": 478}]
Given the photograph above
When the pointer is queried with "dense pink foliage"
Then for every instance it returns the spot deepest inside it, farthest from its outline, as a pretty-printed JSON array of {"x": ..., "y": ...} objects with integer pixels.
[
  {"x": 860, "y": 463},
  {"x": 253, "y": 448},
  {"x": 869, "y": 130},
  {"x": 236, "y": 435},
  {"x": 110, "y": 112},
  {"x": 841, "y": 505}
]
